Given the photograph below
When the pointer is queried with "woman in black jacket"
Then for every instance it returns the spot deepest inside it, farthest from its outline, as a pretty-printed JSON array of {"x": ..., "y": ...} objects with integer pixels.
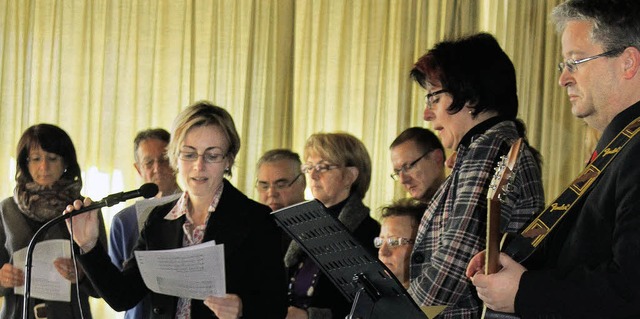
[
  {"x": 203, "y": 146},
  {"x": 338, "y": 169}
]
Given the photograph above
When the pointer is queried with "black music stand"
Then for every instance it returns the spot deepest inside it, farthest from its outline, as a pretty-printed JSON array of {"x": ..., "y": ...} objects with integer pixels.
[{"x": 374, "y": 292}]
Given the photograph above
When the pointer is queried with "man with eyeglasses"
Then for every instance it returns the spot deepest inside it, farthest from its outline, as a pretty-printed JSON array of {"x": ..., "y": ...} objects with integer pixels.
[
  {"x": 398, "y": 228},
  {"x": 280, "y": 183},
  {"x": 153, "y": 166},
  {"x": 588, "y": 264},
  {"x": 418, "y": 160}
]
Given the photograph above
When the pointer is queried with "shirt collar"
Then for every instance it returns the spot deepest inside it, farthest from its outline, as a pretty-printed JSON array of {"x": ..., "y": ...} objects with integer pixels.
[
  {"x": 480, "y": 128},
  {"x": 182, "y": 206},
  {"x": 618, "y": 123}
]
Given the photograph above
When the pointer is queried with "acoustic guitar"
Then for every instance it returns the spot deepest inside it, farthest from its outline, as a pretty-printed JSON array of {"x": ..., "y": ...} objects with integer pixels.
[{"x": 498, "y": 188}]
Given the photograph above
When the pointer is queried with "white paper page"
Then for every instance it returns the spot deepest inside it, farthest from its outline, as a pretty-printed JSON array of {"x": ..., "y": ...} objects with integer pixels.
[
  {"x": 145, "y": 206},
  {"x": 46, "y": 282},
  {"x": 191, "y": 272}
]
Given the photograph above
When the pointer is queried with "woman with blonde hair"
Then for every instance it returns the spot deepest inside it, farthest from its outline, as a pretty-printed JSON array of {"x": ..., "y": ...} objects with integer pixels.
[
  {"x": 204, "y": 144},
  {"x": 338, "y": 169}
]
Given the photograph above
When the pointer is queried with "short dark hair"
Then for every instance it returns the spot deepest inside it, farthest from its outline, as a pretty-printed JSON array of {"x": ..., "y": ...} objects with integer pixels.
[
  {"x": 153, "y": 133},
  {"x": 405, "y": 207},
  {"x": 280, "y": 154},
  {"x": 51, "y": 139},
  {"x": 615, "y": 22},
  {"x": 475, "y": 71},
  {"x": 424, "y": 138}
]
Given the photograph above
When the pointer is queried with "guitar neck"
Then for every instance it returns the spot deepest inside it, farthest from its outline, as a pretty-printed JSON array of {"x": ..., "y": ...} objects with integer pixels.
[{"x": 492, "y": 253}]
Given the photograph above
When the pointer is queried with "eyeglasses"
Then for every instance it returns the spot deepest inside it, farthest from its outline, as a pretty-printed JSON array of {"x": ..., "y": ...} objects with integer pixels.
[
  {"x": 149, "y": 162},
  {"x": 278, "y": 185},
  {"x": 430, "y": 99},
  {"x": 37, "y": 158},
  {"x": 392, "y": 242},
  {"x": 320, "y": 167},
  {"x": 208, "y": 156},
  {"x": 406, "y": 168},
  {"x": 572, "y": 65}
]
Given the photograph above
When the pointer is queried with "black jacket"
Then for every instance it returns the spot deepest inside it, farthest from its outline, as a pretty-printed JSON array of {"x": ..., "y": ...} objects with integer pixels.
[
  {"x": 253, "y": 260},
  {"x": 589, "y": 266}
]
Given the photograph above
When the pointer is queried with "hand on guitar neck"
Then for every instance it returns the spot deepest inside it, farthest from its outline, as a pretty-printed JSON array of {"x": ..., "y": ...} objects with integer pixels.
[{"x": 497, "y": 290}]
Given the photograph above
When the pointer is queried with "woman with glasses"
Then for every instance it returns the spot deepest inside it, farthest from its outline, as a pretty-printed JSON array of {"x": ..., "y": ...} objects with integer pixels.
[
  {"x": 203, "y": 147},
  {"x": 398, "y": 228},
  {"x": 472, "y": 103},
  {"x": 338, "y": 170},
  {"x": 47, "y": 179}
]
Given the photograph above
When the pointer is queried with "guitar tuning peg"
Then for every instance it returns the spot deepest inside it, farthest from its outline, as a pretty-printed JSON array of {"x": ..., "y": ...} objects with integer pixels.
[
  {"x": 507, "y": 188},
  {"x": 504, "y": 199}
]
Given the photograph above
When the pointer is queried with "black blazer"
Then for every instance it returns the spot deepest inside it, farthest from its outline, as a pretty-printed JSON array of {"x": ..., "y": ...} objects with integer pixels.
[
  {"x": 589, "y": 265},
  {"x": 253, "y": 260}
]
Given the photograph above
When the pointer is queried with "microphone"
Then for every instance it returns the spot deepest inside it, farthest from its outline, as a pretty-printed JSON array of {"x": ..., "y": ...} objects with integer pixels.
[{"x": 147, "y": 190}]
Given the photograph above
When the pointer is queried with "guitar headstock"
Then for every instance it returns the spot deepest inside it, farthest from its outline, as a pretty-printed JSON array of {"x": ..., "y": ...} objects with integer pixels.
[{"x": 504, "y": 173}]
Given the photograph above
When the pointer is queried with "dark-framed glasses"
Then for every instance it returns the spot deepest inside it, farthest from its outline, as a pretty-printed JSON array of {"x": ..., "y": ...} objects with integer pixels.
[
  {"x": 572, "y": 65},
  {"x": 432, "y": 98},
  {"x": 320, "y": 167},
  {"x": 407, "y": 168},
  {"x": 392, "y": 241},
  {"x": 208, "y": 156},
  {"x": 281, "y": 184}
]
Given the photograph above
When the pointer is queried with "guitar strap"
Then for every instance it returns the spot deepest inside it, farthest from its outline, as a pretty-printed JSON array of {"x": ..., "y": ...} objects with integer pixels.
[{"x": 521, "y": 246}]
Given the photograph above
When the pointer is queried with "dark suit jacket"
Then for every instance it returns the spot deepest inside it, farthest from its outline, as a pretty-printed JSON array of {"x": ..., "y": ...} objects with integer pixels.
[
  {"x": 253, "y": 260},
  {"x": 589, "y": 266}
]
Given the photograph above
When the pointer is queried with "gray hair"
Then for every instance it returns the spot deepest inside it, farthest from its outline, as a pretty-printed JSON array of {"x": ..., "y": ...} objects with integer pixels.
[{"x": 615, "y": 22}]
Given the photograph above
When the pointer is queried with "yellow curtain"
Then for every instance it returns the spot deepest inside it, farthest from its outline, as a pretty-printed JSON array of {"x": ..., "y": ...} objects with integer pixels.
[{"x": 284, "y": 69}]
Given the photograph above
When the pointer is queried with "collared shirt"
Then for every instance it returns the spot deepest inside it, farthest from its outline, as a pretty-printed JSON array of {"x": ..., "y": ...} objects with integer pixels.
[
  {"x": 452, "y": 229},
  {"x": 193, "y": 235}
]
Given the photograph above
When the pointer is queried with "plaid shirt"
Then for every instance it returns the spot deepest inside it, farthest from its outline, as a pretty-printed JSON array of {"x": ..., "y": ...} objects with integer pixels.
[{"x": 453, "y": 228}]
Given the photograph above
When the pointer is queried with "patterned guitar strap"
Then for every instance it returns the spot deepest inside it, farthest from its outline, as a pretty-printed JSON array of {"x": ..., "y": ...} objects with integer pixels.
[{"x": 523, "y": 244}]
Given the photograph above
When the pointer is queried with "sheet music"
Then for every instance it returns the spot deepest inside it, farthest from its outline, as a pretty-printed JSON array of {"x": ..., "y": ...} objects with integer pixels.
[
  {"x": 191, "y": 272},
  {"x": 46, "y": 282},
  {"x": 145, "y": 206}
]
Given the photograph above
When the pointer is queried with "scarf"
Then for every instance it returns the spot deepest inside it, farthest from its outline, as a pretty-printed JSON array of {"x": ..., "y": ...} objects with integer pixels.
[{"x": 43, "y": 203}]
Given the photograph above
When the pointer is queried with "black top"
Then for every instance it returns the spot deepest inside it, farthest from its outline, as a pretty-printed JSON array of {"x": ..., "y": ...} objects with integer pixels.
[
  {"x": 589, "y": 266},
  {"x": 253, "y": 260}
]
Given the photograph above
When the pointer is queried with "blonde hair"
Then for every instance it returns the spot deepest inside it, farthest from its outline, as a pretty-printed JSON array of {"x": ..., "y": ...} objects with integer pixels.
[
  {"x": 203, "y": 113},
  {"x": 345, "y": 150}
]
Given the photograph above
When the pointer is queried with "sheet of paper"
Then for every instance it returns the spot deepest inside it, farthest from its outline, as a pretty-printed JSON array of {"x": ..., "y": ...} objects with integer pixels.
[
  {"x": 191, "y": 272},
  {"x": 46, "y": 282},
  {"x": 145, "y": 206}
]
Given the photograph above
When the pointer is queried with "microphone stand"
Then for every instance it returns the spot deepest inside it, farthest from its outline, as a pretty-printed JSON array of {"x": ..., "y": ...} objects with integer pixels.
[
  {"x": 146, "y": 190},
  {"x": 32, "y": 245}
]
